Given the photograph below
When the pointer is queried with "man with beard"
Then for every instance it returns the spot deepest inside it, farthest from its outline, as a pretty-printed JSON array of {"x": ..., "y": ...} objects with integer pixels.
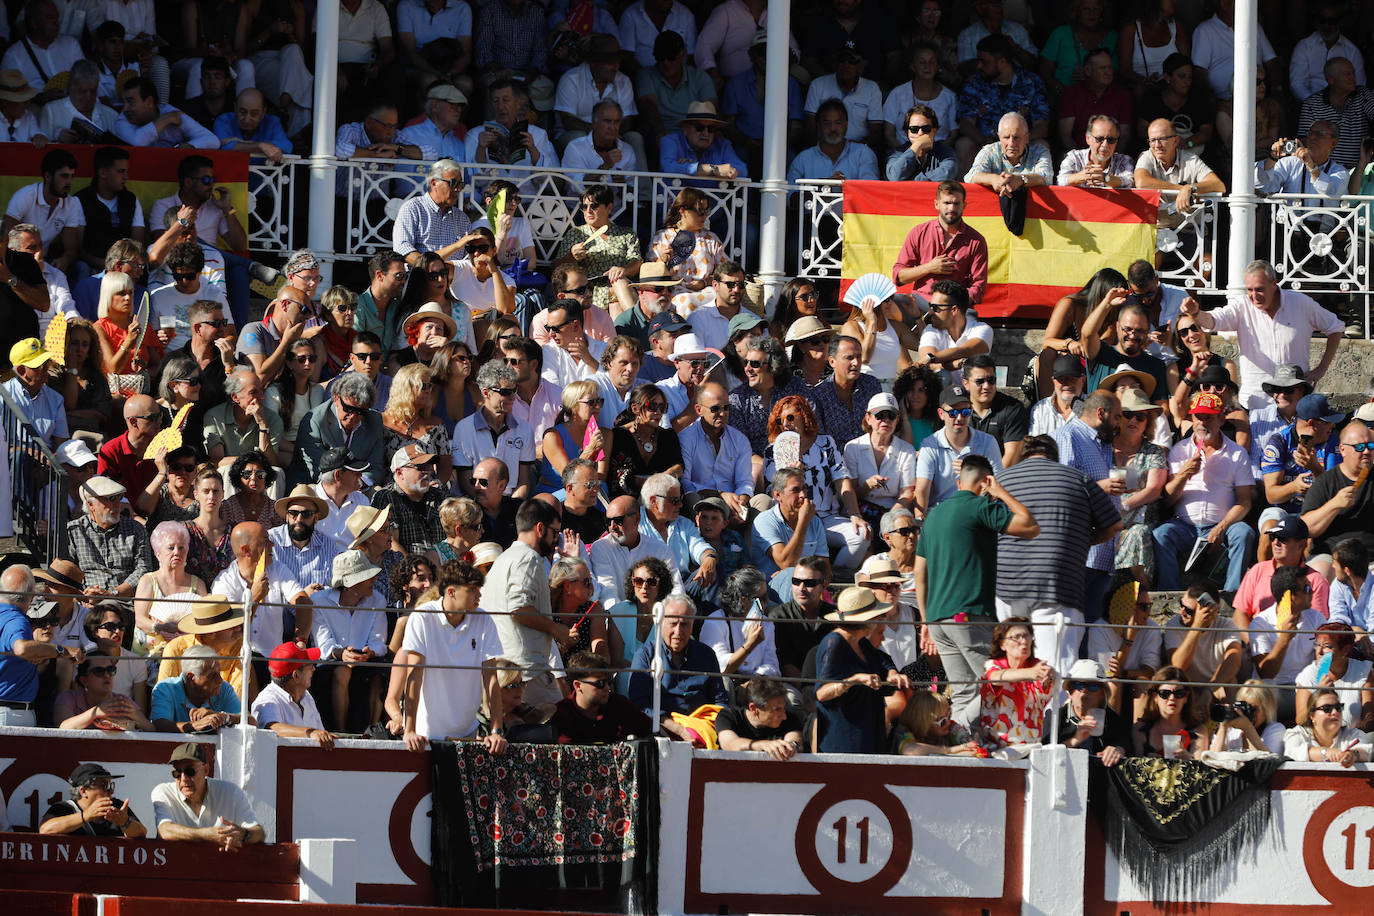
[
  {"x": 595, "y": 713},
  {"x": 299, "y": 546},
  {"x": 619, "y": 370},
  {"x": 537, "y": 400},
  {"x": 652, "y": 300},
  {"x": 1129, "y": 352},
  {"x": 516, "y": 594},
  {"x": 413, "y": 500},
  {"x": 1050, "y": 413},
  {"x": 581, "y": 487},
  {"x": 834, "y": 156},
  {"x": 1085, "y": 443},
  {"x": 621, "y": 547},
  {"x": 711, "y": 323},
  {"x": 112, "y": 550},
  {"x": 49, "y": 205},
  {"x": 944, "y": 248}
]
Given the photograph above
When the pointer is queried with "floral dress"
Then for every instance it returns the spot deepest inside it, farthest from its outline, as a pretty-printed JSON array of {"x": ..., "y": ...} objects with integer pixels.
[
  {"x": 1013, "y": 712},
  {"x": 616, "y": 248},
  {"x": 435, "y": 441},
  {"x": 205, "y": 560},
  {"x": 1135, "y": 546},
  {"x": 699, "y": 265}
]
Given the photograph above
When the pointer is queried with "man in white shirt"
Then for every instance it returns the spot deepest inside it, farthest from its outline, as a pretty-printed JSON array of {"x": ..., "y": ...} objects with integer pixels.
[
  {"x": 1272, "y": 327},
  {"x": 621, "y": 547},
  {"x": 862, "y": 98},
  {"x": 715, "y": 454},
  {"x": 25, "y": 237},
  {"x": 692, "y": 363},
  {"x": 493, "y": 431},
  {"x": 171, "y": 303},
  {"x": 1308, "y": 169},
  {"x": 145, "y": 122},
  {"x": 1052, "y": 412},
  {"x": 285, "y": 705},
  {"x": 195, "y": 808},
  {"x": 44, "y": 52},
  {"x": 78, "y": 116},
  {"x": 340, "y": 484},
  {"x": 644, "y": 20},
  {"x": 1280, "y": 656},
  {"x": 596, "y": 80},
  {"x": 571, "y": 354},
  {"x": 457, "y": 638},
  {"x": 711, "y": 323},
  {"x": 269, "y": 593},
  {"x": 602, "y": 147},
  {"x": 1214, "y": 44},
  {"x": 49, "y": 205},
  {"x": 620, "y": 369},
  {"x": 952, "y": 335},
  {"x": 350, "y": 630},
  {"x": 1305, "y": 68}
]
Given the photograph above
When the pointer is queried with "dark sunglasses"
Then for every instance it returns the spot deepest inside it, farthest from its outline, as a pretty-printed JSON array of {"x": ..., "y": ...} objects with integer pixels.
[
  {"x": 181, "y": 468},
  {"x": 1358, "y": 447},
  {"x": 206, "y": 179},
  {"x": 675, "y": 500},
  {"x": 181, "y": 277},
  {"x": 904, "y": 532},
  {"x": 1167, "y": 693},
  {"x": 578, "y": 290},
  {"x": 1187, "y": 328},
  {"x": 755, "y": 363},
  {"x": 503, "y": 392},
  {"x": 218, "y": 324},
  {"x": 1134, "y": 415},
  {"x": 920, "y": 128},
  {"x": 353, "y": 411},
  {"x": 620, "y": 520},
  {"x": 642, "y": 581},
  {"x": 1085, "y": 686},
  {"x": 1329, "y": 707},
  {"x": 102, "y": 671},
  {"x": 808, "y": 583},
  {"x": 557, "y": 328},
  {"x": 731, "y": 284},
  {"x": 437, "y": 274},
  {"x": 300, "y": 513},
  {"x": 366, "y": 357},
  {"x": 178, "y": 772},
  {"x": 599, "y": 685},
  {"x": 478, "y": 248},
  {"x": 886, "y": 416}
]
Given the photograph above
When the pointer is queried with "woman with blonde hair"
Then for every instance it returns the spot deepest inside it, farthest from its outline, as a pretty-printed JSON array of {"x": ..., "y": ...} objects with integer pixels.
[
  {"x": 690, "y": 250},
  {"x": 574, "y": 435},
  {"x": 461, "y": 519},
  {"x": 409, "y": 419},
  {"x": 117, "y": 332},
  {"x": 925, "y": 728},
  {"x": 1252, "y": 721},
  {"x": 572, "y": 594},
  {"x": 338, "y": 305}
]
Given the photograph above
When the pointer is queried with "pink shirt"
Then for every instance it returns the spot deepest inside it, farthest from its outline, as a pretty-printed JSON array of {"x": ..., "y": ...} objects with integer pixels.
[
  {"x": 1266, "y": 342},
  {"x": 969, "y": 250},
  {"x": 596, "y": 324},
  {"x": 1254, "y": 596}
]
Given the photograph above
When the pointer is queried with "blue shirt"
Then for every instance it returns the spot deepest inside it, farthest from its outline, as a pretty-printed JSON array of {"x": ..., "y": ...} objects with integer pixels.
[
  {"x": 313, "y": 564},
  {"x": 269, "y": 131},
  {"x": 433, "y": 143},
  {"x": 1346, "y": 608},
  {"x": 18, "y": 678},
  {"x": 170, "y": 703},
  {"x": 454, "y": 20},
  {"x": 740, "y": 98},
  {"x": 985, "y": 101},
  {"x": 856, "y": 161},
  {"x": 938, "y": 166},
  {"x": 680, "y": 692},
  {"x": 1278, "y": 456},
  {"x": 684, "y": 540},
  {"x": 47, "y": 411},
  {"x": 1081, "y": 447},
  {"x": 771, "y": 528},
  {"x": 677, "y": 157},
  {"x": 935, "y": 461}
]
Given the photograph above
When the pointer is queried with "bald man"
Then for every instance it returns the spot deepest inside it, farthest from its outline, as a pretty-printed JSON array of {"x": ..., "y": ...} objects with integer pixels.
[
  {"x": 716, "y": 455},
  {"x": 489, "y": 479},
  {"x": 121, "y": 459},
  {"x": 271, "y": 594},
  {"x": 1165, "y": 166},
  {"x": 250, "y": 129},
  {"x": 621, "y": 547}
]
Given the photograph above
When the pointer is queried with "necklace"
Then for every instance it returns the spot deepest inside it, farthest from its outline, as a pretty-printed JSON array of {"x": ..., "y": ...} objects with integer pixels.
[{"x": 647, "y": 446}]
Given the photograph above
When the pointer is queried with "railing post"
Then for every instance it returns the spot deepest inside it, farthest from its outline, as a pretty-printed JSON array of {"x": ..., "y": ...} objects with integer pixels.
[
  {"x": 1242, "y": 199},
  {"x": 773, "y": 202},
  {"x": 321, "y": 232}
]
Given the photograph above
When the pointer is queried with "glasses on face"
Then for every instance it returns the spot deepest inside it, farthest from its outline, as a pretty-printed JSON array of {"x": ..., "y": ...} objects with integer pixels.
[
  {"x": 808, "y": 583},
  {"x": 303, "y": 514},
  {"x": 112, "y": 626},
  {"x": 193, "y": 380},
  {"x": 353, "y": 410},
  {"x": 656, "y": 407},
  {"x": 181, "y": 468},
  {"x": 885, "y": 416},
  {"x": 984, "y": 380},
  {"x": 959, "y": 412},
  {"x": 346, "y": 308},
  {"x": 731, "y": 284},
  {"x": 102, "y": 671},
  {"x": 1133, "y": 332},
  {"x": 180, "y": 277},
  {"x": 809, "y": 296},
  {"x": 594, "y": 403},
  {"x": 702, "y": 128},
  {"x": 904, "y": 532},
  {"x": 1185, "y": 329},
  {"x": 219, "y": 324},
  {"x": 1129, "y": 415},
  {"x": 1213, "y": 387},
  {"x": 1329, "y": 708},
  {"x": 1161, "y": 141},
  {"x": 1358, "y": 447},
  {"x": 920, "y": 128},
  {"x": 254, "y": 475},
  {"x": 592, "y": 205},
  {"x": 1085, "y": 686},
  {"x": 704, "y": 209},
  {"x": 183, "y": 772},
  {"x": 366, "y": 357},
  {"x": 437, "y": 274},
  {"x": 642, "y": 581},
  {"x": 1108, "y": 140},
  {"x": 943, "y": 307},
  {"x": 1171, "y": 693},
  {"x": 304, "y": 357},
  {"x": 148, "y": 417},
  {"x": 578, "y": 290},
  {"x": 672, "y": 500},
  {"x": 101, "y": 785},
  {"x": 478, "y": 248},
  {"x": 754, "y": 363},
  {"x": 718, "y": 408},
  {"x": 599, "y": 685},
  {"x": 502, "y": 392},
  {"x": 1017, "y": 637},
  {"x": 206, "y": 180},
  {"x": 454, "y": 183}
]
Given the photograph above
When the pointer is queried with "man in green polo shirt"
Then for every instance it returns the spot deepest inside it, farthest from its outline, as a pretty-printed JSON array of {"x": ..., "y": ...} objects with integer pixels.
[{"x": 956, "y": 575}]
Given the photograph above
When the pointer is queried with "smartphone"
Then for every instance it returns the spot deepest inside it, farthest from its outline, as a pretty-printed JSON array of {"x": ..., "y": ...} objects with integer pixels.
[{"x": 1324, "y": 666}]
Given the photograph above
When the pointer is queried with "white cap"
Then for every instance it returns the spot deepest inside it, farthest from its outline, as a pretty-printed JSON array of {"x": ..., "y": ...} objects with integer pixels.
[
  {"x": 1366, "y": 412},
  {"x": 882, "y": 401},
  {"x": 76, "y": 453}
]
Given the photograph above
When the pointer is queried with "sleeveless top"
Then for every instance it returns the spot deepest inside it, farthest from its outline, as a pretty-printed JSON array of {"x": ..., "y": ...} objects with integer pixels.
[
  {"x": 886, "y": 351},
  {"x": 550, "y": 481},
  {"x": 1148, "y": 60}
]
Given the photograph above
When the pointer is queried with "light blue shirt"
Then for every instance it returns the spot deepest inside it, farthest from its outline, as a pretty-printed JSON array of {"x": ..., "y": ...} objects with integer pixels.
[
  {"x": 454, "y": 20},
  {"x": 226, "y": 128},
  {"x": 1346, "y": 608},
  {"x": 1264, "y": 422},
  {"x": 433, "y": 143},
  {"x": 1081, "y": 447},
  {"x": 615, "y": 402},
  {"x": 1290, "y": 176},
  {"x": 991, "y": 160},
  {"x": 675, "y": 155},
  {"x": 684, "y": 540},
  {"x": 47, "y": 411},
  {"x": 731, "y": 470},
  {"x": 169, "y": 700},
  {"x": 935, "y": 461},
  {"x": 313, "y": 564},
  {"x": 856, "y": 161},
  {"x": 771, "y": 528}
]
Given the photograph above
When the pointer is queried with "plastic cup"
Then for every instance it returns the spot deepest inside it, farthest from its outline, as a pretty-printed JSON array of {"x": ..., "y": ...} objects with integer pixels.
[
  {"x": 1171, "y": 746},
  {"x": 1117, "y": 474}
]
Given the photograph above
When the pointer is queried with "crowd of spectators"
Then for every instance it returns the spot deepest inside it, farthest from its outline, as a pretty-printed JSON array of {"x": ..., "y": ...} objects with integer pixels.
[{"x": 465, "y": 507}]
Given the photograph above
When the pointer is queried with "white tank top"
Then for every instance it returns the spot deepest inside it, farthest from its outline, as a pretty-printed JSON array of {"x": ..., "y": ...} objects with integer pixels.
[
  {"x": 1149, "y": 61},
  {"x": 886, "y": 350}
]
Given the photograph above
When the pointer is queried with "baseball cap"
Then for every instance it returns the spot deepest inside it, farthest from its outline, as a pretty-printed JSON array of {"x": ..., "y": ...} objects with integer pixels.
[
  {"x": 1206, "y": 402},
  {"x": 669, "y": 321},
  {"x": 1317, "y": 407},
  {"x": 287, "y": 657},
  {"x": 1069, "y": 366},
  {"x": 1291, "y": 527},
  {"x": 882, "y": 401},
  {"x": 411, "y": 454},
  {"x": 341, "y": 459},
  {"x": 189, "y": 750},
  {"x": 954, "y": 394},
  {"x": 75, "y": 452},
  {"x": 87, "y": 773},
  {"x": 29, "y": 353}
]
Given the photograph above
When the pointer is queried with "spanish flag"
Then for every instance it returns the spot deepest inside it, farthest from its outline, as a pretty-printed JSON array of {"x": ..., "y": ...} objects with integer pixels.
[{"x": 1070, "y": 234}]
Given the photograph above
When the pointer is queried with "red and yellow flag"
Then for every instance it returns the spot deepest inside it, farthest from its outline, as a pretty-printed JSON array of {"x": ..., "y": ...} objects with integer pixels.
[
  {"x": 1070, "y": 234},
  {"x": 152, "y": 172}
]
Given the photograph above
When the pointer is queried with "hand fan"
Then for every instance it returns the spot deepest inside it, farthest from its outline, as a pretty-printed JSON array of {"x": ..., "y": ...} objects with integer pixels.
[
  {"x": 496, "y": 208},
  {"x": 681, "y": 248},
  {"x": 141, "y": 319},
  {"x": 1122, "y": 605},
  {"x": 878, "y": 286},
  {"x": 169, "y": 437},
  {"x": 787, "y": 450},
  {"x": 55, "y": 340}
]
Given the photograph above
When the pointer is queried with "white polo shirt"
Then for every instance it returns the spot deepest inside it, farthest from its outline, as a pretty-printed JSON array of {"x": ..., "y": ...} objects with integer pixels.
[
  {"x": 473, "y": 441},
  {"x": 273, "y": 704},
  {"x": 223, "y": 799},
  {"x": 450, "y": 697},
  {"x": 27, "y": 206}
]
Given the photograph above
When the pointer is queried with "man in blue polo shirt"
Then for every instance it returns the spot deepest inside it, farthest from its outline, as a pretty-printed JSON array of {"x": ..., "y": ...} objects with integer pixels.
[
  {"x": 834, "y": 156},
  {"x": 20, "y": 653}
]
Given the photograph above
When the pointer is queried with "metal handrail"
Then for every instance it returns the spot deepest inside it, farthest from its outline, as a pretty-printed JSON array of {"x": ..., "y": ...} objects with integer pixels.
[{"x": 38, "y": 485}]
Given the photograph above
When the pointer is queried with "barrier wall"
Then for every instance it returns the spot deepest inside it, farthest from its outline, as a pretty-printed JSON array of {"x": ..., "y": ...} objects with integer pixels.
[{"x": 739, "y": 833}]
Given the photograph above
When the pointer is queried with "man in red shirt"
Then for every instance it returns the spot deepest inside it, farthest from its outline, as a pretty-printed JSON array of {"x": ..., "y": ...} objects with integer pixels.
[
  {"x": 595, "y": 713},
  {"x": 944, "y": 248},
  {"x": 121, "y": 459}
]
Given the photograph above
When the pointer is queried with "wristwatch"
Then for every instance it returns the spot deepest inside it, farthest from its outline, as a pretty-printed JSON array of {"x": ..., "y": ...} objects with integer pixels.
[
  {"x": 185, "y": 223},
  {"x": 13, "y": 281}
]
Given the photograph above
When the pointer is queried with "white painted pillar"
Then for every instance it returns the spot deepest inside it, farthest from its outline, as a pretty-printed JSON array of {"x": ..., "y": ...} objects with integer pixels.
[
  {"x": 773, "y": 228},
  {"x": 1242, "y": 197},
  {"x": 329, "y": 871},
  {"x": 1056, "y": 808},
  {"x": 320, "y": 237}
]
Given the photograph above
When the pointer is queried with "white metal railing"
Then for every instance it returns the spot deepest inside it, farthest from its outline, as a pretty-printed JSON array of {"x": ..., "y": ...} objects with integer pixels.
[{"x": 1324, "y": 248}]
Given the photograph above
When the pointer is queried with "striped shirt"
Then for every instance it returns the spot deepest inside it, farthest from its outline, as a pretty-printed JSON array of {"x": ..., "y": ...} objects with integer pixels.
[
  {"x": 308, "y": 565},
  {"x": 1352, "y": 122},
  {"x": 1070, "y": 509},
  {"x": 1080, "y": 447},
  {"x": 422, "y": 226}
]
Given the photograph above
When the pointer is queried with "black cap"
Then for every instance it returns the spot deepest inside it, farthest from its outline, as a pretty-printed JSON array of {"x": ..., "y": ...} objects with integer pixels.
[
  {"x": 87, "y": 773},
  {"x": 339, "y": 458},
  {"x": 1216, "y": 374},
  {"x": 1069, "y": 366},
  {"x": 1290, "y": 528},
  {"x": 954, "y": 394}
]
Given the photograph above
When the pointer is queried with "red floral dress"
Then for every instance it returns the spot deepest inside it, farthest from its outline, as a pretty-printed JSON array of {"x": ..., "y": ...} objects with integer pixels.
[{"x": 1013, "y": 711}]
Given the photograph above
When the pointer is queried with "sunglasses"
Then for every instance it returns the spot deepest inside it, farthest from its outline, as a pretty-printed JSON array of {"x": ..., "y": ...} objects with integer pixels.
[
  {"x": 102, "y": 671},
  {"x": 754, "y": 363},
  {"x": 182, "y": 277},
  {"x": 1085, "y": 686},
  {"x": 478, "y": 248},
  {"x": 578, "y": 290},
  {"x": 594, "y": 403},
  {"x": 656, "y": 407},
  {"x": 808, "y": 583},
  {"x": 904, "y": 532},
  {"x": 193, "y": 380},
  {"x": 959, "y": 412},
  {"x": 1329, "y": 708},
  {"x": 178, "y": 772},
  {"x": 503, "y": 392},
  {"x": 480, "y": 482},
  {"x": 697, "y": 363},
  {"x": 181, "y": 468},
  {"x": 1105, "y": 139},
  {"x": 366, "y": 357},
  {"x": 300, "y": 513},
  {"x": 218, "y": 324},
  {"x": 254, "y": 475},
  {"x": 1134, "y": 415},
  {"x": 1187, "y": 329},
  {"x": 885, "y": 416},
  {"x": 719, "y": 408},
  {"x": 304, "y": 357},
  {"x": 920, "y": 128},
  {"x": 808, "y": 296},
  {"x": 985, "y": 380},
  {"x": 731, "y": 284},
  {"x": 1167, "y": 693},
  {"x": 556, "y": 328},
  {"x": 599, "y": 685},
  {"x": 354, "y": 411},
  {"x": 345, "y": 308},
  {"x": 642, "y": 581},
  {"x": 674, "y": 500},
  {"x": 206, "y": 179},
  {"x": 148, "y": 417},
  {"x": 703, "y": 128},
  {"x": 1358, "y": 447},
  {"x": 620, "y": 520},
  {"x": 454, "y": 183},
  {"x": 437, "y": 274},
  {"x": 39, "y": 622}
]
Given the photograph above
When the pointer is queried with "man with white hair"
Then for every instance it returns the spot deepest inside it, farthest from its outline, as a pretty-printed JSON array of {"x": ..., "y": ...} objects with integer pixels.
[
  {"x": 692, "y": 362},
  {"x": 199, "y": 699},
  {"x": 26, "y": 237},
  {"x": 20, "y": 653},
  {"x": 111, "y": 549},
  {"x": 493, "y": 430},
  {"x": 1166, "y": 167},
  {"x": 1273, "y": 327},
  {"x": 78, "y": 116},
  {"x": 339, "y": 485},
  {"x": 433, "y": 221},
  {"x": 616, "y": 551},
  {"x": 413, "y": 498},
  {"x": 1012, "y": 162},
  {"x": 662, "y": 521},
  {"x": 680, "y": 691}
]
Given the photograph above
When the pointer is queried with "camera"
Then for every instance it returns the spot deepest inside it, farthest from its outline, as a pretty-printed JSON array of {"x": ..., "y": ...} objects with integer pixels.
[
  {"x": 1225, "y": 712},
  {"x": 1290, "y": 147}
]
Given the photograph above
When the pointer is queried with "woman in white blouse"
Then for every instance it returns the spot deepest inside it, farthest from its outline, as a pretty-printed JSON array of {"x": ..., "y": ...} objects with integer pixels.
[
  {"x": 1326, "y": 740},
  {"x": 881, "y": 464}
]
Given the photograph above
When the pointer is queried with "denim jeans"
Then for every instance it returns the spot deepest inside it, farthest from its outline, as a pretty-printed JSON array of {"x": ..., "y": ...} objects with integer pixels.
[
  {"x": 236, "y": 282},
  {"x": 1176, "y": 537}
]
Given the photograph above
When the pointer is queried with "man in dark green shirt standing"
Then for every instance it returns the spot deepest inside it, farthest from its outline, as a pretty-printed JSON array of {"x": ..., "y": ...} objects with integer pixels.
[{"x": 956, "y": 575}]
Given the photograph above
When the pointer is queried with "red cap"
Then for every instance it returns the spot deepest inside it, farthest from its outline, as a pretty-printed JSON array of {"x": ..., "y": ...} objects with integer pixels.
[
  {"x": 287, "y": 657},
  {"x": 1207, "y": 402}
]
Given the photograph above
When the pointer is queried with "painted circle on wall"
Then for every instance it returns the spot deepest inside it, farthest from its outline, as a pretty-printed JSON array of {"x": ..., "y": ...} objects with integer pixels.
[
  {"x": 1338, "y": 846},
  {"x": 854, "y": 840}
]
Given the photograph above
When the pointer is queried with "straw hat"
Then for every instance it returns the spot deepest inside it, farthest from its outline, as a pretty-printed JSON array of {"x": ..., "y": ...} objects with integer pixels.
[
  {"x": 211, "y": 614},
  {"x": 14, "y": 88},
  {"x": 303, "y": 493},
  {"x": 486, "y": 552},
  {"x": 857, "y": 604},
  {"x": 1146, "y": 380},
  {"x": 431, "y": 310},
  {"x": 1135, "y": 401},
  {"x": 365, "y": 522},
  {"x": 880, "y": 569},
  {"x": 64, "y": 574},
  {"x": 702, "y": 113},
  {"x": 654, "y": 273},
  {"x": 805, "y": 327}
]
